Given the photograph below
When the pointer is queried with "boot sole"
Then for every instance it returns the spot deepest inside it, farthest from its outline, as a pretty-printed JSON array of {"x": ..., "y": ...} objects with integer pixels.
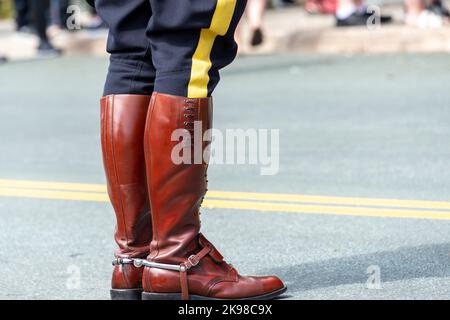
[
  {"x": 126, "y": 294},
  {"x": 177, "y": 296}
]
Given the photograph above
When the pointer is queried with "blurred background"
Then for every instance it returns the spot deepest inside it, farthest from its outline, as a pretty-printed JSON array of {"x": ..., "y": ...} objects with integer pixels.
[
  {"x": 360, "y": 206},
  {"x": 287, "y": 25}
]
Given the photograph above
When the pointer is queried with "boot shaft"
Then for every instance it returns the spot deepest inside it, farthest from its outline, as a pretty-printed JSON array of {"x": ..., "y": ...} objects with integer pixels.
[
  {"x": 122, "y": 131},
  {"x": 176, "y": 189}
]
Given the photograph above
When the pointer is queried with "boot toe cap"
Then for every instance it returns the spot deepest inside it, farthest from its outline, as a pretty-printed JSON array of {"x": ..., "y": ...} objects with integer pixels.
[
  {"x": 272, "y": 284},
  {"x": 248, "y": 288}
]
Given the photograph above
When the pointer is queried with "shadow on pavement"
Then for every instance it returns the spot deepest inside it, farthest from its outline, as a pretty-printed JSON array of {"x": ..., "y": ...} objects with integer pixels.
[{"x": 430, "y": 261}]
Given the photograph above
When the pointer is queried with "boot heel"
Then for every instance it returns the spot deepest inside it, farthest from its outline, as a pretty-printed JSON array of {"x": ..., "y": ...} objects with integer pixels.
[
  {"x": 126, "y": 294},
  {"x": 160, "y": 296}
]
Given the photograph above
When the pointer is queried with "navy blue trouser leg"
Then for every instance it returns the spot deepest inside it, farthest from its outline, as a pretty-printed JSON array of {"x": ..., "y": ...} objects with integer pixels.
[
  {"x": 191, "y": 41},
  {"x": 131, "y": 70},
  {"x": 175, "y": 47}
]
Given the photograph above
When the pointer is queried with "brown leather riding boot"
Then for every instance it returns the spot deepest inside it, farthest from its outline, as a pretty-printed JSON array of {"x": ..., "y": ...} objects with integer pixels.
[
  {"x": 122, "y": 132},
  {"x": 182, "y": 263}
]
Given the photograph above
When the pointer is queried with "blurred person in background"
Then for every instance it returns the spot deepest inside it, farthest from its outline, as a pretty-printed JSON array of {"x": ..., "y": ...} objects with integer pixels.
[
  {"x": 58, "y": 13},
  {"x": 22, "y": 15},
  {"x": 33, "y": 15},
  {"x": 58, "y": 16},
  {"x": 419, "y": 14},
  {"x": 287, "y": 3},
  {"x": 254, "y": 14},
  {"x": 437, "y": 7},
  {"x": 3, "y": 58},
  {"x": 95, "y": 22},
  {"x": 354, "y": 13},
  {"x": 39, "y": 15},
  {"x": 321, "y": 6},
  {"x": 413, "y": 10}
]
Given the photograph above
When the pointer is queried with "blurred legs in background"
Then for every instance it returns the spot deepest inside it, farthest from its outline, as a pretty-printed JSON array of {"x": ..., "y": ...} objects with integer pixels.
[
  {"x": 22, "y": 17},
  {"x": 438, "y": 8},
  {"x": 254, "y": 12},
  {"x": 413, "y": 9},
  {"x": 55, "y": 12},
  {"x": 347, "y": 7},
  {"x": 354, "y": 13},
  {"x": 39, "y": 18},
  {"x": 58, "y": 13},
  {"x": 39, "y": 10},
  {"x": 96, "y": 22},
  {"x": 419, "y": 14},
  {"x": 58, "y": 17}
]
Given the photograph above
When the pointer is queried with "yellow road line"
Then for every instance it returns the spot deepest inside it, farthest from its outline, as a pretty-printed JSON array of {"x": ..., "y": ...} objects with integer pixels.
[
  {"x": 330, "y": 200},
  {"x": 47, "y": 185},
  {"x": 53, "y": 194},
  {"x": 230, "y": 195},
  {"x": 317, "y": 209},
  {"x": 242, "y": 205}
]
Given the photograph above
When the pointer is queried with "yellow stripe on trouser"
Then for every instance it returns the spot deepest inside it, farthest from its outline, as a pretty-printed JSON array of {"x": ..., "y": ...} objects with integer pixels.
[{"x": 201, "y": 60}]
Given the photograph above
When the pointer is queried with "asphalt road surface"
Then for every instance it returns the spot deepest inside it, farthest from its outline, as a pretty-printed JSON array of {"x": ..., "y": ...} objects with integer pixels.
[{"x": 359, "y": 209}]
